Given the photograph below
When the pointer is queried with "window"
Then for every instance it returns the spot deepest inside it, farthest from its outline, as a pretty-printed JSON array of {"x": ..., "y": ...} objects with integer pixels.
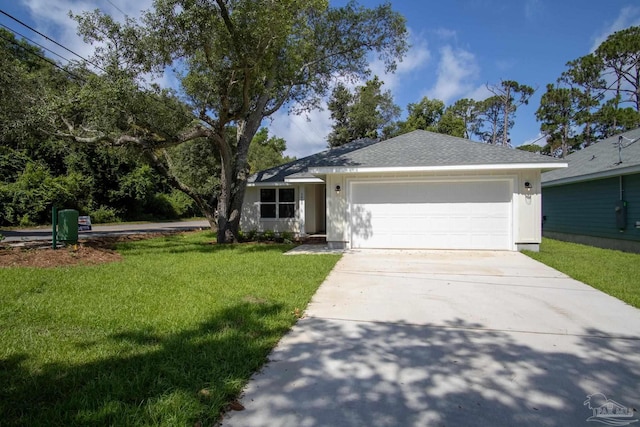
[{"x": 280, "y": 203}]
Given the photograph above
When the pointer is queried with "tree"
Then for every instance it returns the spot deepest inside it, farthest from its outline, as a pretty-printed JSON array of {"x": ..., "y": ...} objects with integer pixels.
[
  {"x": 423, "y": 115},
  {"x": 467, "y": 110},
  {"x": 620, "y": 52},
  {"x": 585, "y": 74},
  {"x": 266, "y": 152},
  {"x": 243, "y": 60},
  {"x": 451, "y": 124},
  {"x": 510, "y": 95},
  {"x": 532, "y": 148},
  {"x": 610, "y": 119},
  {"x": 362, "y": 114},
  {"x": 490, "y": 119},
  {"x": 557, "y": 114},
  {"x": 340, "y": 105}
]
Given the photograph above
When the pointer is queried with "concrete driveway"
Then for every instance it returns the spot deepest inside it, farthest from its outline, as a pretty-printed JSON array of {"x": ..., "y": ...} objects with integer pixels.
[{"x": 432, "y": 338}]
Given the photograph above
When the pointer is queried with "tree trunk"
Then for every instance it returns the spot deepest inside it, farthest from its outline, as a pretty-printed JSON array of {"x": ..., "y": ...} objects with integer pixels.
[
  {"x": 507, "y": 107},
  {"x": 224, "y": 198},
  {"x": 233, "y": 182}
]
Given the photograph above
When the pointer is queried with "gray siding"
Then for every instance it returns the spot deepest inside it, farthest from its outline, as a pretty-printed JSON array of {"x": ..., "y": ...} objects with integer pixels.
[{"x": 588, "y": 208}]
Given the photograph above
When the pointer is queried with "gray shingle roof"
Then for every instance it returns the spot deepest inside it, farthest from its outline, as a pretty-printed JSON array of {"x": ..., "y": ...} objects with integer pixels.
[
  {"x": 599, "y": 160},
  {"x": 414, "y": 149}
]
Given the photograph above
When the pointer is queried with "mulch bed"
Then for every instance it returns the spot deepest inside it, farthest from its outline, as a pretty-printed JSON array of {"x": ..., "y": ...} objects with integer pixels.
[{"x": 87, "y": 252}]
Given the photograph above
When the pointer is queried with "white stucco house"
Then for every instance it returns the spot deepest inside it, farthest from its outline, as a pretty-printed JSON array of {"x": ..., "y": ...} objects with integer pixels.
[{"x": 420, "y": 190}]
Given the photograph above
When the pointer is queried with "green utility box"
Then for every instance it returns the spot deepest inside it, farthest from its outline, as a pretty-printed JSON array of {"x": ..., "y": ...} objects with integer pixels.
[{"x": 68, "y": 225}]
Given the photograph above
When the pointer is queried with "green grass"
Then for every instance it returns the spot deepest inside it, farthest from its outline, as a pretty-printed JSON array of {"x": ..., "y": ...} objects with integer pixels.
[
  {"x": 168, "y": 336},
  {"x": 614, "y": 272}
]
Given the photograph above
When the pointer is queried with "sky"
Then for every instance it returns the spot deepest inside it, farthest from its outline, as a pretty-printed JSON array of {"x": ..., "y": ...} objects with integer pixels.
[{"x": 457, "y": 48}]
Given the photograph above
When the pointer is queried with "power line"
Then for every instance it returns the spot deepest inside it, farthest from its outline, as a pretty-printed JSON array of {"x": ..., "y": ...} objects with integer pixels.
[
  {"x": 33, "y": 42},
  {"x": 44, "y": 58},
  {"x": 50, "y": 39},
  {"x": 117, "y": 8}
]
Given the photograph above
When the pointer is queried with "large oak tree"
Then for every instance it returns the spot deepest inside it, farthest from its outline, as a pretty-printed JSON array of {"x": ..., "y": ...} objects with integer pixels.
[{"x": 239, "y": 62}]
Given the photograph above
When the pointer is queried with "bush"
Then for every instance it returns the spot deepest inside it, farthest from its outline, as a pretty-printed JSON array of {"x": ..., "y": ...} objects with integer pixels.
[
  {"x": 287, "y": 236},
  {"x": 268, "y": 235},
  {"x": 252, "y": 235},
  {"x": 104, "y": 214},
  {"x": 183, "y": 205},
  {"x": 28, "y": 200}
]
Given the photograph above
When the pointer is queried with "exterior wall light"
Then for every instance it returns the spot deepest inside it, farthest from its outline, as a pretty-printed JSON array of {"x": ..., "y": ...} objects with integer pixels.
[
  {"x": 527, "y": 186},
  {"x": 338, "y": 189}
]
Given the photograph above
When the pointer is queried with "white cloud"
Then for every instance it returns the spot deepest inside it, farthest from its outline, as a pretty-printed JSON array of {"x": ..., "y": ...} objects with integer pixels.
[
  {"x": 457, "y": 70},
  {"x": 52, "y": 18},
  {"x": 417, "y": 58},
  {"x": 445, "y": 33},
  {"x": 628, "y": 16},
  {"x": 305, "y": 134},
  {"x": 479, "y": 93}
]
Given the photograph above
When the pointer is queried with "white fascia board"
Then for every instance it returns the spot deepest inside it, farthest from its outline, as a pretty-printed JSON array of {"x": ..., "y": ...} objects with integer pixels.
[
  {"x": 304, "y": 180},
  {"x": 507, "y": 166},
  {"x": 590, "y": 177},
  {"x": 269, "y": 184}
]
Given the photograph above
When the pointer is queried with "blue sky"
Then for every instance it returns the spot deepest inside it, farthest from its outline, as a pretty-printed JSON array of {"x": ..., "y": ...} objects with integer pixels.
[{"x": 458, "y": 46}]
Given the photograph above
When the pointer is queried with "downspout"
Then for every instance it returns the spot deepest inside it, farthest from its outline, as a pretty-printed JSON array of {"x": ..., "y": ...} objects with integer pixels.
[{"x": 621, "y": 189}]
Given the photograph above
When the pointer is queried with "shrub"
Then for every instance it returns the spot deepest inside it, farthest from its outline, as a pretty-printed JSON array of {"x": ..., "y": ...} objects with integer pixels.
[
  {"x": 268, "y": 235},
  {"x": 252, "y": 235},
  {"x": 287, "y": 236},
  {"x": 104, "y": 214}
]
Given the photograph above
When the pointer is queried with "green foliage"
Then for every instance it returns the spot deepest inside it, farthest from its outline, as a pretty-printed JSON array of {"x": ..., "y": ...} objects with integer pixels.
[
  {"x": 557, "y": 114},
  {"x": 168, "y": 336},
  {"x": 596, "y": 88},
  {"x": 508, "y": 96},
  {"x": 363, "y": 114},
  {"x": 267, "y": 235},
  {"x": 620, "y": 53},
  {"x": 532, "y": 148},
  {"x": 265, "y": 152},
  {"x": 104, "y": 215},
  {"x": 424, "y": 115},
  {"x": 287, "y": 236},
  {"x": 613, "y": 272},
  {"x": 28, "y": 200}
]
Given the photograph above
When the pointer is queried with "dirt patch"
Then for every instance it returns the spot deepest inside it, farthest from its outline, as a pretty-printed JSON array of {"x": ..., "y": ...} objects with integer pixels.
[{"x": 87, "y": 252}]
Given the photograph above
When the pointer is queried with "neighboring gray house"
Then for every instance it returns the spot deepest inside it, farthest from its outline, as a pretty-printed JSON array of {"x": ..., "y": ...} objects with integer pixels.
[
  {"x": 418, "y": 190},
  {"x": 596, "y": 200}
]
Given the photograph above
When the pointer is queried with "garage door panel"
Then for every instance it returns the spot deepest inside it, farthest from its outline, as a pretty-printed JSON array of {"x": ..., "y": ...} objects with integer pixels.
[{"x": 434, "y": 215}]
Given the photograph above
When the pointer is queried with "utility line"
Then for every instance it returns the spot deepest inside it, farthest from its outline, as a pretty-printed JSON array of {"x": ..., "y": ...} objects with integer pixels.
[
  {"x": 116, "y": 7},
  {"x": 50, "y": 39},
  {"x": 34, "y": 42},
  {"x": 44, "y": 58}
]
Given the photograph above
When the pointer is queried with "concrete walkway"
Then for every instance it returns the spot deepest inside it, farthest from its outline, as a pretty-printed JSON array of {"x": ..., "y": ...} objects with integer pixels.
[{"x": 401, "y": 338}]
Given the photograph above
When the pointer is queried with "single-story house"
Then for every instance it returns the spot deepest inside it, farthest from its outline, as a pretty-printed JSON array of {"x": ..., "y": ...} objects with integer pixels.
[
  {"x": 596, "y": 200},
  {"x": 420, "y": 190}
]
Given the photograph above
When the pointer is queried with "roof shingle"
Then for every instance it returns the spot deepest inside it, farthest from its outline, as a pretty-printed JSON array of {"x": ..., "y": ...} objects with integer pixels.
[
  {"x": 414, "y": 149},
  {"x": 601, "y": 158}
]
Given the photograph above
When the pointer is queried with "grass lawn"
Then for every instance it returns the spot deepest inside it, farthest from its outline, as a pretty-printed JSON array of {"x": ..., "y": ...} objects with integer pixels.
[
  {"x": 168, "y": 336},
  {"x": 614, "y": 272}
]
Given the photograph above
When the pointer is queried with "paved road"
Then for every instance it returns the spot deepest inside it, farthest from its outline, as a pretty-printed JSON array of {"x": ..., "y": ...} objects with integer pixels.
[
  {"x": 42, "y": 234},
  {"x": 410, "y": 338}
]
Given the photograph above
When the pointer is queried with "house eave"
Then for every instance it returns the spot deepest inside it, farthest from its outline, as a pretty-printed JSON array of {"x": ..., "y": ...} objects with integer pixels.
[
  {"x": 269, "y": 184},
  {"x": 305, "y": 180},
  {"x": 401, "y": 169},
  {"x": 590, "y": 177}
]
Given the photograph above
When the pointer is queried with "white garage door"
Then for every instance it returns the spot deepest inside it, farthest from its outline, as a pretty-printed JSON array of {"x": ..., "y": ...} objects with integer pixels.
[{"x": 431, "y": 215}]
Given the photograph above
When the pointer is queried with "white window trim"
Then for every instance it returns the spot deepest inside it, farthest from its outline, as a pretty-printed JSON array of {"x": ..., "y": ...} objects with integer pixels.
[{"x": 277, "y": 204}]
